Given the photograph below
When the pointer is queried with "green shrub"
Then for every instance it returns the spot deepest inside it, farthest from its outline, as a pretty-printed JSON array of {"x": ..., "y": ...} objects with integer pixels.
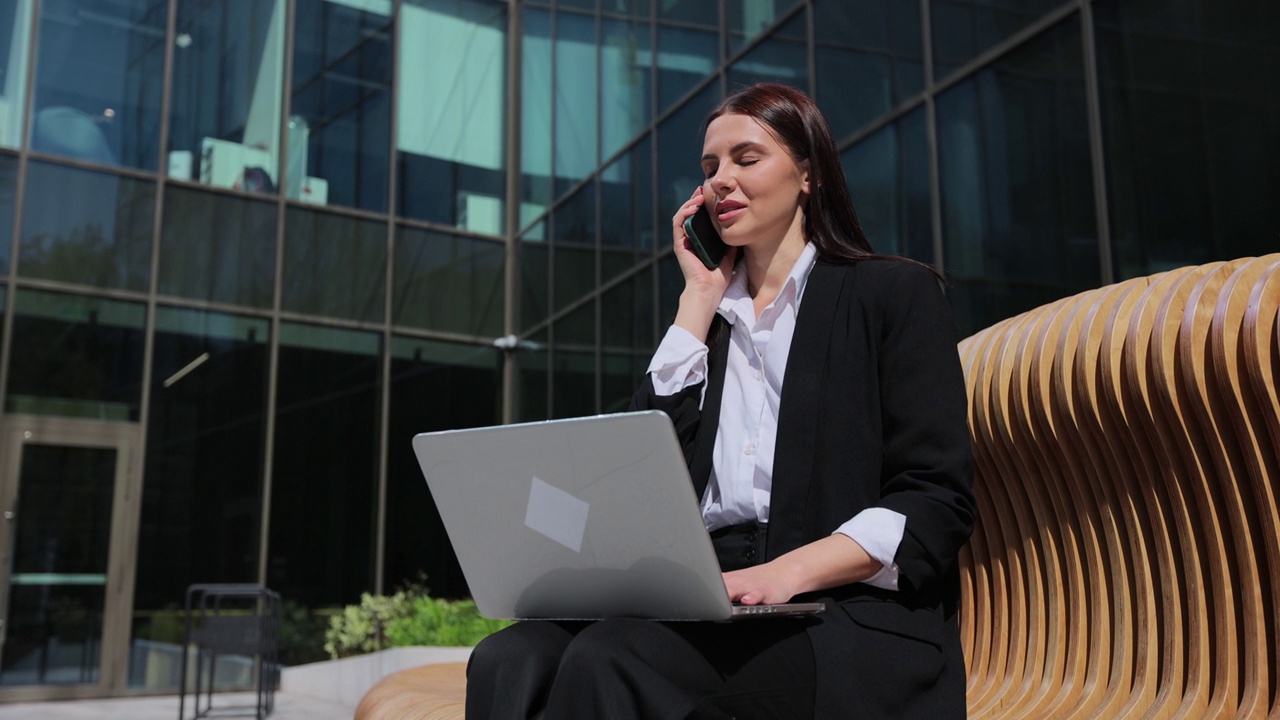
[
  {"x": 362, "y": 628},
  {"x": 443, "y": 623},
  {"x": 409, "y": 617}
]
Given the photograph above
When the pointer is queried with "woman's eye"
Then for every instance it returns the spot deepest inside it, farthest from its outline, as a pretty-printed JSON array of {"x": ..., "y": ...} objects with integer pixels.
[{"x": 747, "y": 161}]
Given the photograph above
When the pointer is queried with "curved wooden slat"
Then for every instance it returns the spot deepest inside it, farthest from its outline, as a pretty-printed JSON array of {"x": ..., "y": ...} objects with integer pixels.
[
  {"x": 1133, "y": 666},
  {"x": 1182, "y": 630},
  {"x": 1228, "y": 415},
  {"x": 1126, "y": 561},
  {"x": 1260, "y": 347}
]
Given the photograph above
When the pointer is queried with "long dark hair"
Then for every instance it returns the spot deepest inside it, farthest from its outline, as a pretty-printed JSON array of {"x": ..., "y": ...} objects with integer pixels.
[{"x": 830, "y": 222}]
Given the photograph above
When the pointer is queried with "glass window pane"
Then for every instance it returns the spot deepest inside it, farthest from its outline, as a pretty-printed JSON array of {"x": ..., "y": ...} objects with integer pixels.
[
  {"x": 686, "y": 56},
  {"x": 781, "y": 59},
  {"x": 535, "y": 115},
  {"x": 78, "y": 356},
  {"x": 620, "y": 375},
  {"x": 102, "y": 239},
  {"x": 634, "y": 8},
  {"x": 576, "y": 102},
  {"x": 217, "y": 248},
  {"x": 1017, "y": 195},
  {"x": 626, "y": 83},
  {"x": 627, "y": 314},
  {"x": 615, "y": 262},
  {"x": 324, "y": 478},
  {"x": 1190, "y": 128},
  {"x": 15, "y": 49},
  {"x": 8, "y": 193},
  {"x": 574, "y": 273},
  {"x": 341, "y": 103},
  {"x": 57, "y": 573},
  {"x": 535, "y": 380},
  {"x": 689, "y": 11},
  {"x": 228, "y": 84},
  {"x": 98, "y": 81},
  {"x": 964, "y": 29},
  {"x": 578, "y": 328},
  {"x": 334, "y": 265},
  {"x": 574, "y": 382},
  {"x": 451, "y": 113},
  {"x": 888, "y": 176},
  {"x": 574, "y": 251},
  {"x": 463, "y": 382},
  {"x": 749, "y": 18},
  {"x": 448, "y": 282},
  {"x": 679, "y": 151},
  {"x": 202, "y": 481},
  {"x": 868, "y": 59},
  {"x": 626, "y": 198},
  {"x": 575, "y": 218},
  {"x": 535, "y": 269}
]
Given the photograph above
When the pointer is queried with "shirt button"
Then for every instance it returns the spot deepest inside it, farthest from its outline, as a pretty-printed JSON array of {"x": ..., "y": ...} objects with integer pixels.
[
  {"x": 749, "y": 449},
  {"x": 759, "y": 374}
]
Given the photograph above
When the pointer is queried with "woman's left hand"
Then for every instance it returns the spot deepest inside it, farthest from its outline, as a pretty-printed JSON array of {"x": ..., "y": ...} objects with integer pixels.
[
  {"x": 825, "y": 563},
  {"x": 765, "y": 584}
]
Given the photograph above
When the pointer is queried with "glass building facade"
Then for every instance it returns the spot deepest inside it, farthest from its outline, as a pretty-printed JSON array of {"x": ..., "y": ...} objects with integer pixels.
[{"x": 255, "y": 245}]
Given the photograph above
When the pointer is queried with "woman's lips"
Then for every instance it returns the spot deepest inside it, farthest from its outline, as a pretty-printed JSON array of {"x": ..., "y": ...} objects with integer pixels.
[{"x": 728, "y": 210}]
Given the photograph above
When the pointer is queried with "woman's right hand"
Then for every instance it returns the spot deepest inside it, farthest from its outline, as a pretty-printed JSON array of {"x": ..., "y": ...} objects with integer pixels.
[{"x": 703, "y": 288}]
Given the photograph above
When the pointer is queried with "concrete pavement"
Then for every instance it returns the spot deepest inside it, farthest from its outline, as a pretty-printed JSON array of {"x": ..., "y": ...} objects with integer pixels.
[
  {"x": 288, "y": 707},
  {"x": 327, "y": 690}
]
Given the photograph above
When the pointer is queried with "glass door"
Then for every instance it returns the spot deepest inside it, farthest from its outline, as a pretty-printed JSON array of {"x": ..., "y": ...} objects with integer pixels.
[{"x": 68, "y": 513}]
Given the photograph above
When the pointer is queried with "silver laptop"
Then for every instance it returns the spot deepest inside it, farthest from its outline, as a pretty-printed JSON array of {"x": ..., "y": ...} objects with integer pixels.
[{"x": 584, "y": 518}]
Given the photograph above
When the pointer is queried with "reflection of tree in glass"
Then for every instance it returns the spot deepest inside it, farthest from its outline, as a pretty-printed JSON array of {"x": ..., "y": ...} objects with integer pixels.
[
  {"x": 85, "y": 254},
  {"x": 71, "y": 618}
]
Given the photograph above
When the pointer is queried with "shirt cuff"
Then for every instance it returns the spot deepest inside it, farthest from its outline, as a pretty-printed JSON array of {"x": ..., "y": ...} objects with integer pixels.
[
  {"x": 679, "y": 362},
  {"x": 879, "y": 531}
]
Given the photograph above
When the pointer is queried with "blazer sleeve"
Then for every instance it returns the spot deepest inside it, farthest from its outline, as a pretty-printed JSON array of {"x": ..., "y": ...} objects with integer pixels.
[
  {"x": 683, "y": 408},
  {"x": 927, "y": 471}
]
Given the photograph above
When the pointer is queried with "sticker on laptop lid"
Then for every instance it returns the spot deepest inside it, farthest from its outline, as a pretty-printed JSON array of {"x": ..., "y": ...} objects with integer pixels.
[{"x": 556, "y": 514}]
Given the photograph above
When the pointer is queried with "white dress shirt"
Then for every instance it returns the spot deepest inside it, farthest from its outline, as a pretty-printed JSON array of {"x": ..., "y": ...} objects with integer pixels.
[{"x": 742, "y": 461}]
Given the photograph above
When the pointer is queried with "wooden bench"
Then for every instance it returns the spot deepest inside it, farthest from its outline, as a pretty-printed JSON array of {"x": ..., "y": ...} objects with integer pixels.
[
  {"x": 1126, "y": 561},
  {"x": 427, "y": 692}
]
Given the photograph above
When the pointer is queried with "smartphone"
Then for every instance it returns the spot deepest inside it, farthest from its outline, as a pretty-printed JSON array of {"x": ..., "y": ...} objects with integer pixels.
[{"x": 706, "y": 242}]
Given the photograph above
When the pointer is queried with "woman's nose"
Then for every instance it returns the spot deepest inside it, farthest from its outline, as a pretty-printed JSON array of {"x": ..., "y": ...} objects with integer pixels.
[{"x": 721, "y": 182}]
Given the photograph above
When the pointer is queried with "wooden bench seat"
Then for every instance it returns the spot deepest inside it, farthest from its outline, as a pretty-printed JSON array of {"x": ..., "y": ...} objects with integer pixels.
[{"x": 427, "y": 692}]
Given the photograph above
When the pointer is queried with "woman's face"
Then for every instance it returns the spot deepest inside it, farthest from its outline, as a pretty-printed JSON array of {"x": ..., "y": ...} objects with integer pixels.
[{"x": 754, "y": 189}]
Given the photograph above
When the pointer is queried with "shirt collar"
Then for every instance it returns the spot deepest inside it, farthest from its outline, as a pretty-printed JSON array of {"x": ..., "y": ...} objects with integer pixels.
[{"x": 736, "y": 301}]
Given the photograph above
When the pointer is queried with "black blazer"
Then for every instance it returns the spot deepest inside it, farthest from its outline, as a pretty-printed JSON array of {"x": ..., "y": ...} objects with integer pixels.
[{"x": 873, "y": 413}]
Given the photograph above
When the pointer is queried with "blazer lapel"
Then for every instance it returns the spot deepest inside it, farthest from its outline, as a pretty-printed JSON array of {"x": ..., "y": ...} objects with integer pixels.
[
  {"x": 802, "y": 395},
  {"x": 700, "y": 467}
]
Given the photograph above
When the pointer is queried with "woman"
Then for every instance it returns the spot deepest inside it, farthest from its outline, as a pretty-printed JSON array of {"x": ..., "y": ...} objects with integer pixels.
[{"x": 817, "y": 391}]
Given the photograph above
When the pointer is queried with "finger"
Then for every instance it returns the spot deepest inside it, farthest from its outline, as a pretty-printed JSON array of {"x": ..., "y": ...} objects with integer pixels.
[
  {"x": 732, "y": 586},
  {"x": 690, "y": 206}
]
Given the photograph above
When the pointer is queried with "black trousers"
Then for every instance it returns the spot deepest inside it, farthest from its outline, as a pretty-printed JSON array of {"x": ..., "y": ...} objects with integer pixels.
[{"x": 628, "y": 668}]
